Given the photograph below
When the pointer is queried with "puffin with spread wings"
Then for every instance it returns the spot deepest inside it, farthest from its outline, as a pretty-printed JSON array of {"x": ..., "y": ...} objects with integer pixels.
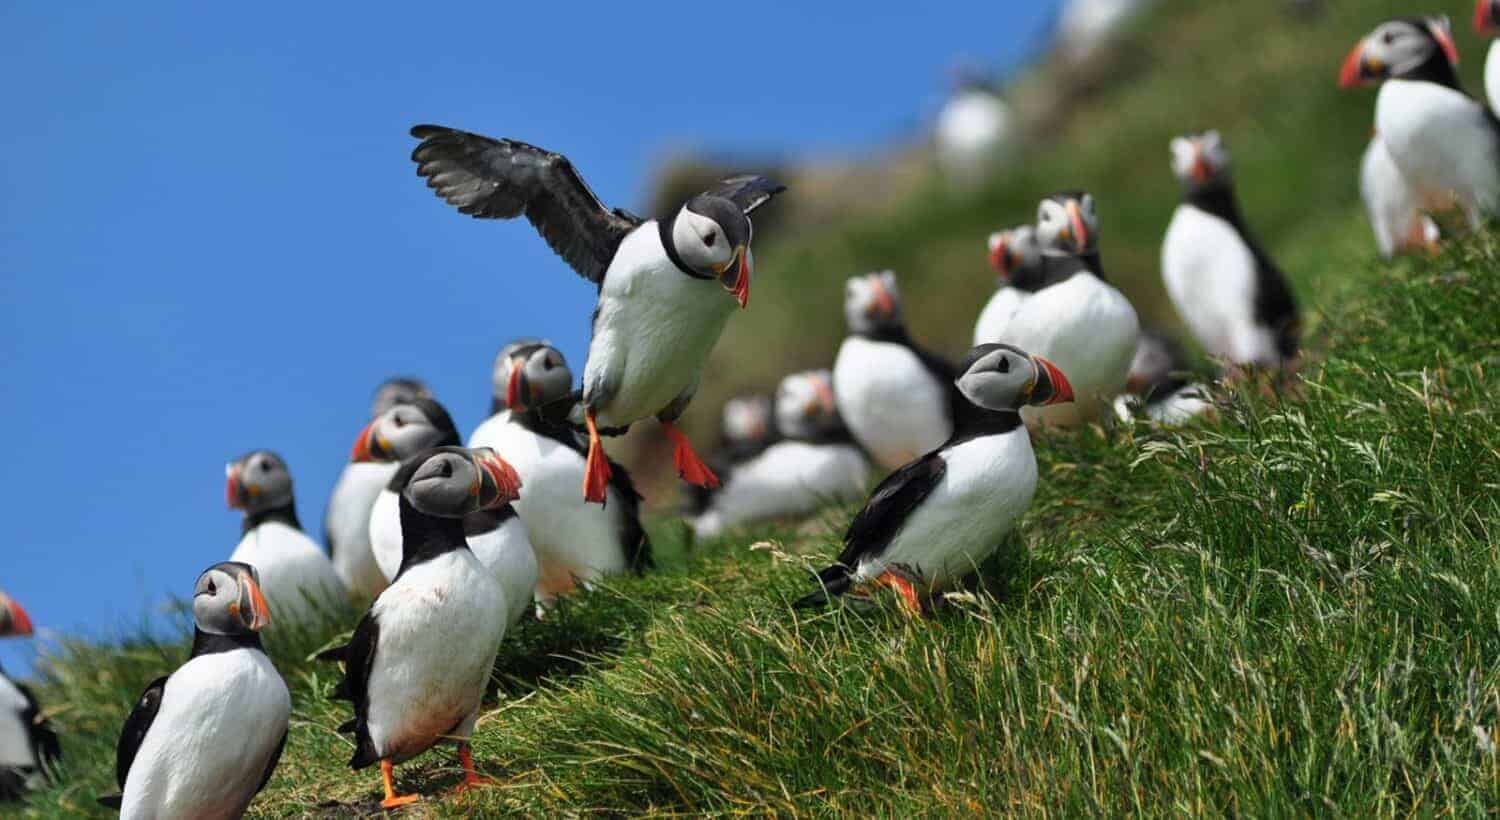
[{"x": 666, "y": 287}]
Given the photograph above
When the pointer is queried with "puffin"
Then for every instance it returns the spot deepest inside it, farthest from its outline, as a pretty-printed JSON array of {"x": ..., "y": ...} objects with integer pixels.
[
  {"x": 1232, "y": 296},
  {"x": 575, "y": 541},
  {"x": 895, "y": 396},
  {"x": 1162, "y": 387},
  {"x": 815, "y": 462},
  {"x": 1446, "y": 144},
  {"x": 1017, "y": 260},
  {"x": 418, "y": 662},
  {"x": 495, "y": 536},
  {"x": 1487, "y": 24},
  {"x": 746, "y": 428},
  {"x": 299, "y": 579},
  {"x": 666, "y": 287},
  {"x": 29, "y": 746},
  {"x": 973, "y": 130},
  {"x": 499, "y": 389},
  {"x": 1393, "y": 205},
  {"x": 933, "y": 521},
  {"x": 202, "y": 741},
  {"x": 1077, "y": 319},
  {"x": 346, "y": 521}
]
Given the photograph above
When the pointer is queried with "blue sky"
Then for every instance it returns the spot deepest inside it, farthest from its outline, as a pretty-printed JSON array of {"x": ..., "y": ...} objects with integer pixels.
[{"x": 211, "y": 239}]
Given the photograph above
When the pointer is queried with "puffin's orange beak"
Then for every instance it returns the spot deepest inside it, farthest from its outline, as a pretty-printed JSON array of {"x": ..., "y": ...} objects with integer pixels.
[
  {"x": 1062, "y": 391},
  {"x": 1201, "y": 169},
  {"x": 1352, "y": 73},
  {"x": 513, "y": 385},
  {"x": 251, "y": 598},
  {"x": 885, "y": 303},
  {"x": 505, "y": 478},
  {"x": 1000, "y": 257},
  {"x": 1080, "y": 229},
  {"x": 233, "y": 492},
  {"x": 362, "y": 451},
  {"x": 1444, "y": 37},
  {"x": 18, "y": 623},
  {"x": 741, "y": 288},
  {"x": 1484, "y": 17}
]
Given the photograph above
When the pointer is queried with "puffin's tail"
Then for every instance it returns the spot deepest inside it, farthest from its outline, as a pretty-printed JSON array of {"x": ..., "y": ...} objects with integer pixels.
[
  {"x": 112, "y": 801},
  {"x": 333, "y": 654},
  {"x": 832, "y": 582}
]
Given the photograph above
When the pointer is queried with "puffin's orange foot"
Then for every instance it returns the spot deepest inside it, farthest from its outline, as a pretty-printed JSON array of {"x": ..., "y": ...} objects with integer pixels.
[
  {"x": 689, "y": 466},
  {"x": 393, "y": 800},
  {"x": 596, "y": 471},
  {"x": 396, "y": 801},
  {"x": 472, "y": 778},
  {"x": 911, "y": 603}
]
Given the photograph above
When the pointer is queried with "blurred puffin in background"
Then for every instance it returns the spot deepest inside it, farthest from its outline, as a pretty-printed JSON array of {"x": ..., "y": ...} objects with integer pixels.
[
  {"x": 1487, "y": 24},
  {"x": 1016, "y": 259},
  {"x": 29, "y": 746}
]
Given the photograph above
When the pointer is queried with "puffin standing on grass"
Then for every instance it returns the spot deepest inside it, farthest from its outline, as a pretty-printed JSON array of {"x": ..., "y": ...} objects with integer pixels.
[
  {"x": 936, "y": 519},
  {"x": 746, "y": 429},
  {"x": 418, "y": 662},
  {"x": 28, "y": 745},
  {"x": 299, "y": 580},
  {"x": 346, "y": 522},
  {"x": 1487, "y": 24},
  {"x": 1227, "y": 289},
  {"x": 1162, "y": 386},
  {"x": 1446, "y": 144},
  {"x": 1077, "y": 320},
  {"x": 666, "y": 287},
  {"x": 1393, "y": 205},
  {"x": 204, "y": 740},
  {"x": 815, "y": 463},
  {"x": 1017, "y": 260},
  {"x": 485, "y": 434},
  {"x": 895, "y": 396},
  {"x": 575, "y": 541}
]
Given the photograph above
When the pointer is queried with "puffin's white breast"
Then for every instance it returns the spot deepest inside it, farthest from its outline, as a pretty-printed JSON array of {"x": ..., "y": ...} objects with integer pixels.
[
  {"x": 221, "y": 718},
  {"x": 348, "y": 523},
  {"x": 891, "y": 403},
  {"x": 506, "y": 552},
  {"x": 15, "y": 735},
  {"x": 385, "y": 533},
  {"x": 987, "y": 486},
  {"x": 788, "y": 478},
  {"x": 1210, "y": 274},
  {"x": 1442, "y": 142},
  {"x": 997, "y": 314},
  {"x": 1391, "y": 203},
  {"x": 488, "y": 429},
  {"x": 1089, "y": 330},
  {"x": 294, "y": 573},
  {"x": 1492, "y": 75}
]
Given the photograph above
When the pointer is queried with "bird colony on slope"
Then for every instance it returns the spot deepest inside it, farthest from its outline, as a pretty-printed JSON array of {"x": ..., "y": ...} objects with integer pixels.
[{"x": 454, "y": 545}]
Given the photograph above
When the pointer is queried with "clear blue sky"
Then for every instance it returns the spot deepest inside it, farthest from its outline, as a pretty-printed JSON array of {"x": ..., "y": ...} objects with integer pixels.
[{"x": 211, "y": 238}]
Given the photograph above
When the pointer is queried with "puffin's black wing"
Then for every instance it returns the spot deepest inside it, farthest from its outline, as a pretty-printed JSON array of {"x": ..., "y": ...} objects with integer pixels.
[
  {"x": 882, "y": 517},
  {"x": 503, "y": 179},
  {"x": 271, "y": 766},
  {"x": 134, "y": 733},
  {"x": 1275, "y": 307},
  {"x": 359, "y": 657},
  {"x": 749, "y": 191},
  {"x": 45, "y": 746}
]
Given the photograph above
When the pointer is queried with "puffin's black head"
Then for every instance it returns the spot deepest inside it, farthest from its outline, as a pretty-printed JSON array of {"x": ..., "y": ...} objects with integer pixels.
[
  {"x": 14, "y": 622},
  {"x": 500, "y": 371},
  {"x": 1200, "y": 161},
  {"x": 1487, "y": 17},
  {"x": 1402, "y": 48},
  {"x": 711, "y": 233},
  {"x": 227, "y": 600},
  {"x": 397, "y": 390},
  {"x": 1004, "y": 377},
  {"x": 257, "y": 481},
  {"x": 403, "y": 430},
  {"x": 872, "y": 302},
  {"x": 538, "y": 374},
  {"x": 1014, "y": 251},
  {"x": 747, "y": 420},
  {"x": 804, "y": 405},
  {"x": 451, "y": 482},
  {"x": 1067, "y": 225}
]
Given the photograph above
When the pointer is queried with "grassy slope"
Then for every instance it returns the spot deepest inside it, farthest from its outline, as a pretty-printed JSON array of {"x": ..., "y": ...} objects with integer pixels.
[{"x": 1291, "y": 610}]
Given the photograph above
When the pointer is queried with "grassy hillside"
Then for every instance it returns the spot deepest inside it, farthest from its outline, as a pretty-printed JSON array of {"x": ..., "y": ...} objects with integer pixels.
[{"x": 1291, "y": 610}]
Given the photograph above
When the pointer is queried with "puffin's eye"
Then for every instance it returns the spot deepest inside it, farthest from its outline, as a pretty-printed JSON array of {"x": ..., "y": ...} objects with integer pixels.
[
  {"x": 1003, "y": 366},
  {"x": 212, "y": 590},
  {"x": 398, "y": 421},
  {"x": 713, "y": 236},
  {"x": 445, "y": 468}
]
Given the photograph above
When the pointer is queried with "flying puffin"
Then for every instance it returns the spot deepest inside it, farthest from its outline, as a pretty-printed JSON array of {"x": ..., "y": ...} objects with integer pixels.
[
  {"x": 29, "y": 747},
  {"x": 746, "y": 429},
  {"x": 1487, "y": 24},
  {"x": 662, "y": 283},
  {"x": 1162, "y": 386},
  {"x": 417, "y": 664},
  {"x": 895, "y": 396},
  {"x": 299, "y": 580},
  {"x": 1077, "y": 319},
  {"x": 816, "y": 462},
  {"x": 1017, "y": 260},
  {"x": 575, "y": 541},
  {"x": 346, "y": 521},
  {"x": 1446, "y": 144},
  {"x": 204, "y": 740},
  {"x": 1235, "y": 300},
  {"x": 485, "y": 433},
  {"x": 936, "y": 519}
]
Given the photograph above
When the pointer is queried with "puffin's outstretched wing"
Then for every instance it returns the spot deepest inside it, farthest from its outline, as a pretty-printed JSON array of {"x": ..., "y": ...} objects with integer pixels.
[
  {"x": 134, "y": 734},
  {"x": 503, "y": 179},
  {"x": 749, "y": 191}
]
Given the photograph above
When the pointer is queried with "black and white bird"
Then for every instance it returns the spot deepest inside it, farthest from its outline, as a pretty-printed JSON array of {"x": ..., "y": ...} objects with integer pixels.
[
  {"x": 1393, "y": 205},
  {"x": 495, "y": 536},
  {"x": 202, "y": 741},
  {"x": 575, "y": 541},
  {"x": 1487, "y": 24},
  {"x": 1446, "y": 144},
  {"x": 500, "y": 387},
  {"x": 1232, "y": 296},
  {"x": 298, "y": 578},
  {"x": 1017, "y": 260},
  {"x": 1077, "y": 319},
  {"x": 1162, "y": 387},
  {"x": 29, "y": 747},
  {"x": 814, "y": 463},
  {"x": 974, "y": 130},
  {"x": 417, "y": 664},
  {"x": 936, "y": 519},
  {"x": 746, "y": 428},
  {"x": 346, "y": 521},
  {"x": 895, "y": 396},
  {"x": 666, "y": 287}
]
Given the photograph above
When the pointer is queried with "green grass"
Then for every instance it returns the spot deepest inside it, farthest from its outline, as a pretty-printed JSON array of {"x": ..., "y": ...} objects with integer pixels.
[{"x": 1294, "y": 609}]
